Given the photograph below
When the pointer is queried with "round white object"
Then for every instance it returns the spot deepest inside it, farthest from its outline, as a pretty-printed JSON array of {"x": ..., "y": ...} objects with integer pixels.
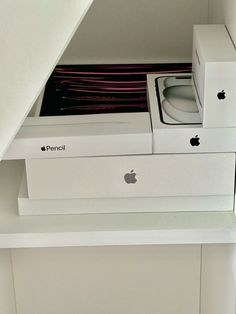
[
  {"x": 181, "y": 97},
  {"x": 180, "y": 116}
]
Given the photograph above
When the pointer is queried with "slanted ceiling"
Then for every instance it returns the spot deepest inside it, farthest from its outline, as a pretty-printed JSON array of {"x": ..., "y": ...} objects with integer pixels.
[{"x": 33, "y": 36}]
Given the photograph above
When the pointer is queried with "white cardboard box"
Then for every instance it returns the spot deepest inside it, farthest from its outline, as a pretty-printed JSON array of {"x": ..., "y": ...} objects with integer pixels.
[
  {"x": 87, "y": 135},
  {"x": 203, "y": 182},
  {"x": 214, "y": 75},
  {"x": 132, "y": 176},
  {"x": 176, "y": 138}
]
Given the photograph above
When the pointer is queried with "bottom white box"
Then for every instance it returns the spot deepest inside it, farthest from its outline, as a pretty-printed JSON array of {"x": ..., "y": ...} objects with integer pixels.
[
  {"x": 155, "y": 183},
  {"x": 132, "y": 176},
  {"x": 27, "y": 206}
]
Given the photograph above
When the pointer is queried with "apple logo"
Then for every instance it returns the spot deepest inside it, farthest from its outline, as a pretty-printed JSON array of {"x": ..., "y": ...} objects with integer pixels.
[
  {"x": 130, "y": 177},
  {"x": 43, "y": 148},
  {"x": 195, "y": 141},
  {"x": 221, "y": 95}
]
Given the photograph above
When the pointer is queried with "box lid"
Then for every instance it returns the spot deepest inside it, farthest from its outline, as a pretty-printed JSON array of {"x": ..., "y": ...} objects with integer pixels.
[{"x": 33, "y": 36}]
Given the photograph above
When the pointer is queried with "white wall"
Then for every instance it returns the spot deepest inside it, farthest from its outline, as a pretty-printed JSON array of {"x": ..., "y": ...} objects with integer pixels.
[
  {"x": 224, "y": 11},
  {"x": 144, "y": 31},
  {"x": 105, "y": 280},
  {"x": 133, "y": 279},
  {"x": 115, "y": 31},
  {"x": 218, "y": 289},
  {"x": 7, "y": 295}
]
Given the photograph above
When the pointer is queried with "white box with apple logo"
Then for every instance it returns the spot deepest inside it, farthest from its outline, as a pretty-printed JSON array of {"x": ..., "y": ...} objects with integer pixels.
[
  {"x": 144, "y": 183},
  {"x": 214, "y": 75},
  {"x": 176, "y": 122},
  {"x": 196, "y": 113}
]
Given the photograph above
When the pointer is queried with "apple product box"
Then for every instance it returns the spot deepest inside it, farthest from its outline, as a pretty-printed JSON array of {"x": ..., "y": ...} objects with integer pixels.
[
  {"x": 91, "y": 135},
  {"x": 132, "y": 176},
  {"x": 28, "y": 206},
  {"x": 176, "y": 123},
  {"x": 89, "y": 110},
  {"x": 214, "y": 75},
  {"x": 124, "y": 133}
]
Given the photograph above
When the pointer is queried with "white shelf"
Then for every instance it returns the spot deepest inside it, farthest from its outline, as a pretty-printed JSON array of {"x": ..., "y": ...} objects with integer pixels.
[{"x": 103, "y": 229}]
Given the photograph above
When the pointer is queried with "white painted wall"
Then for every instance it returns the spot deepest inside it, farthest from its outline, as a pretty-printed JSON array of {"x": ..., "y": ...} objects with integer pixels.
[
  {"x": 218, "y": 289},
  {"x": 116, "y": 31},
  {"x": 134, "y": 279},
  {"x": 105, "y": 280},
  {"x": 7, "y": 295},
  {"x": 224, "y": 11}
]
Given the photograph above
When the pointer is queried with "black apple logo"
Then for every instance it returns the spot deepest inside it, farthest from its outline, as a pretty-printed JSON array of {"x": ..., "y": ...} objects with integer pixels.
[
  {"x": 130, "y": 177},
  {"x": 195, "y": 141},
  {"x": 43, "y": 148},
  {"x": 221, "y": 95}
]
